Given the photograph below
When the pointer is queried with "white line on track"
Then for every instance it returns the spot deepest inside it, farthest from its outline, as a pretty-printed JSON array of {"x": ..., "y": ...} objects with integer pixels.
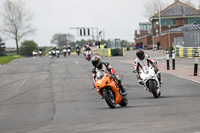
[{"x": 76, "y": 62}]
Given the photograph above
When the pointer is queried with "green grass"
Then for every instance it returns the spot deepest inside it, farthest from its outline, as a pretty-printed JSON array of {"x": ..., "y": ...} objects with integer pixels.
[{"x": 6, "y": 59}]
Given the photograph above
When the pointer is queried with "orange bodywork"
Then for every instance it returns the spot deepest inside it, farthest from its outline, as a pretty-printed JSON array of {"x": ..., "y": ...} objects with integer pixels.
[{"x": 105, "y": 82}]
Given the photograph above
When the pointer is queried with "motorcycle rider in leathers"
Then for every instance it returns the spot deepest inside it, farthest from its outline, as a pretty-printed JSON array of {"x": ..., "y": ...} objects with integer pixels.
[
  {"x": 99, "y": 65},
  {"x": 145, "y": 60}
]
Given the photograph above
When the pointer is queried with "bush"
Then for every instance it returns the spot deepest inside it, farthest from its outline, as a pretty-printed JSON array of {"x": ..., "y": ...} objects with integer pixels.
[{"x": 27, "y": 47}]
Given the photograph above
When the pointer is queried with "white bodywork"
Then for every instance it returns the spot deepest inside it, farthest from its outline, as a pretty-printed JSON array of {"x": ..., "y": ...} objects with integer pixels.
[
  {"x": 148, "y": 73},
  {"x": 64, "y": 50}
]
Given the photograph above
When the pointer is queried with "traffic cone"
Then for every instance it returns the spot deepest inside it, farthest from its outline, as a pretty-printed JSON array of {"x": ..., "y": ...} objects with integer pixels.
[{"x": 163, "y": 53}]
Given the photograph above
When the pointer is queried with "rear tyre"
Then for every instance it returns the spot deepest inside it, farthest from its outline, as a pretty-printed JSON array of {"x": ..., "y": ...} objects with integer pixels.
[
  {"x": 109, "y": 98},
  {"x": 124, "y": 101},
  {"x": 153, "y": 88}
]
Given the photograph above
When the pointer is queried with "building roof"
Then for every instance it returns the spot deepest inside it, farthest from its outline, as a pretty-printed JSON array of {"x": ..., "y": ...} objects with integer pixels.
[
  {"x": 177, "y": 9},
  {"x": 149, "y": 23},
  {"x": 173, "y": 30},
  {"x": 189, "y": 27}
]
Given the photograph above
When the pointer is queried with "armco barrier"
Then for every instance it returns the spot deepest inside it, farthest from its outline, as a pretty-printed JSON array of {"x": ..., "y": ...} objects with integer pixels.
[
  {"x": 104, "y": 52},
  {"x": 188, "y": 52}
]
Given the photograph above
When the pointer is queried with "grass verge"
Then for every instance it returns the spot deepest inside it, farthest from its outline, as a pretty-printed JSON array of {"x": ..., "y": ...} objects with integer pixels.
[{"x": 6, "y": 59}]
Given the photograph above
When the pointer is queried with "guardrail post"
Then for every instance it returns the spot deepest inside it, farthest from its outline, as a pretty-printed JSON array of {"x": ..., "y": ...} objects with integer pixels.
[
  {"x": 196, "y": 64},
  {"x": 173, "y": 59},
  {"x": 167, "y": 58}
]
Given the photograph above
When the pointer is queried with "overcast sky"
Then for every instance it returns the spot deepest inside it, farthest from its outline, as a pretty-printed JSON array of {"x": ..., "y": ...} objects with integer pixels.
[{"x": 118, "y": 18}]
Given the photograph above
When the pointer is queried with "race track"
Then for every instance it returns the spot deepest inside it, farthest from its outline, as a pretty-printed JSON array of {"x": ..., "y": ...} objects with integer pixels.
[{"x": 45, "y": 95}]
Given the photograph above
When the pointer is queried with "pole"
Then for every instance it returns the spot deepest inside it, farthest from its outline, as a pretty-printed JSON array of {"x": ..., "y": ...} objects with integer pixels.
[
  {"x": 173, "y": 59},
  {"x": 159, "y": 17},
  {"x": 196, "y": 64},
  {"x": 167, "y": 59}
]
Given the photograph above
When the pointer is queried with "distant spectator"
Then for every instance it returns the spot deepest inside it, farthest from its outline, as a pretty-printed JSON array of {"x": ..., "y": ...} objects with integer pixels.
[
  {"x": 136, "y": 45},
  {"x": 158, "y": 45},
  {"x": 105, "y": 45},
  {"x": 98, "y": 43}
]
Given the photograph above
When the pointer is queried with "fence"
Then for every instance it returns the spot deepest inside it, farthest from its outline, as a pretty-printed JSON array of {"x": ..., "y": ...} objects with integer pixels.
[
  {"x": 104, "y": 52},
  {"x": 188, "y": 52}
]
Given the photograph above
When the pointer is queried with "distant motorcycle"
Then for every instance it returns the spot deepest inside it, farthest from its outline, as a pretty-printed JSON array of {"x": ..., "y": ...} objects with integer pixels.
[
  {"x": 109, "y": 90},
  {"x": 49, "y": 54},
  {"x": 57, "y": 53},
  {"x": 34, "y": 54},
  {"x": 40, "y": 53},
  {"x": 78, "y": 51},
  {"x": 64, "y": 52},
  {"x": 150, "y": 80},
  {"x": 53, "y": 53},
  {"x": 69, "y": 52},
  {"x": 88, "y": 55}
]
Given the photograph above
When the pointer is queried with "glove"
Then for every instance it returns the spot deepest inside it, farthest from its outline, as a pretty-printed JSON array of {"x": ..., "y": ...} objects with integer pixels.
[
  {"x": 106, "y": 64},
  {"x": 112, "y": 76},
  {"x": 156, "y": 69}
]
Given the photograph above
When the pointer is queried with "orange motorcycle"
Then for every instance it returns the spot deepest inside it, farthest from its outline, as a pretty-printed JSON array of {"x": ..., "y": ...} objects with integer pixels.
[{"x": 109, "y": 90}]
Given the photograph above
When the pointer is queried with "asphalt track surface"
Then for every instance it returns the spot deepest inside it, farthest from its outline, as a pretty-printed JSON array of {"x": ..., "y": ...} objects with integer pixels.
[{"x": 45, "y": 95}]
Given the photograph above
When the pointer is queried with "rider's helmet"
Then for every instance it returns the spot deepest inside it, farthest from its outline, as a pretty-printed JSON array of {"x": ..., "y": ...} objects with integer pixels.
[
  {"x": 64, "y": 46},
  {"x": 140, "y": 54},
  {"x": 96, "y": 62}
]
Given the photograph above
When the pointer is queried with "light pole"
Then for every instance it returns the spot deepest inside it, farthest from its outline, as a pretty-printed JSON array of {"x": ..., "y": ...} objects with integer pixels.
[{"x": 159, "y": 17}]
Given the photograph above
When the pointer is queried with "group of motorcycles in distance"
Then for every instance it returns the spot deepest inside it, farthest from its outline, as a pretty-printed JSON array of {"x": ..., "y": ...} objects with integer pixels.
[
  {"x": 37, "y": 53},
  {"x": 66, "y": 51}
]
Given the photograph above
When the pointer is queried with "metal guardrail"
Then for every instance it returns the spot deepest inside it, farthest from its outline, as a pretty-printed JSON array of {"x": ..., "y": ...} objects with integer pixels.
[{"x": 188, "y": 52}]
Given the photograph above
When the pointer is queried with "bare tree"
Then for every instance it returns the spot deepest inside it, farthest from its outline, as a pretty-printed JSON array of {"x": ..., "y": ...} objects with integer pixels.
[
  {"x": 153, "y": 7},
  {"x": 16, "y": 21},
  {"x": 188, "y": 2},
  {"x": 62, "y": 39}
]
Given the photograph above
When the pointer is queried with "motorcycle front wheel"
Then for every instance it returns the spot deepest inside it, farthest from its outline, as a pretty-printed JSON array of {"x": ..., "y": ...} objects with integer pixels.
[
  {"x": 109, "y": 98},
  {"x": 153, "y": 88}
]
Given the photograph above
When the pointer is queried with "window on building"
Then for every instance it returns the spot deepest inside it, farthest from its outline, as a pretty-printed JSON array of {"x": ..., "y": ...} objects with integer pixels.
[
  {"x": 144, "y": 27},
  {"x": 173, "y": 22},
  {"x": 186, "y": 21},
  {"x": 191, "y": 20},
  {"x": 167, "y": 22}
]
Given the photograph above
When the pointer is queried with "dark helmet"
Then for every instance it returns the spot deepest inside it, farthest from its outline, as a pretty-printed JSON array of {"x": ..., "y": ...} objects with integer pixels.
[
  {"x": 96, "y": 62},
  {"x": 140, "y": 54}
]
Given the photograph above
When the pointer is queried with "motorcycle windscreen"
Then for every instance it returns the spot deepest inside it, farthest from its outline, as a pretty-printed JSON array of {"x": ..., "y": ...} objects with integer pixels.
[
  {"x": 145, "y": 69},
  {"x": 100, "y": 75}
]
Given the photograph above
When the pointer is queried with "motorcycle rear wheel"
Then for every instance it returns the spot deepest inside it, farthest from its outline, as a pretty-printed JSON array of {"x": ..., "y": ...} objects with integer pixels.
[
  {"x": 109, "y": 99},
  {"x": 152, "y": 87}
]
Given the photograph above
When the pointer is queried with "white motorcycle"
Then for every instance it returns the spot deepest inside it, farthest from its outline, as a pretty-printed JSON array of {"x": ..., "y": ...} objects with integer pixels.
[
  {"x": 64, "y": 52},
  {"x": 57, "y": 53},
  {"x": 69, "y": 52},
  {"x": 150, "y": 80},
  {"x": 88, "y": 55}
]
